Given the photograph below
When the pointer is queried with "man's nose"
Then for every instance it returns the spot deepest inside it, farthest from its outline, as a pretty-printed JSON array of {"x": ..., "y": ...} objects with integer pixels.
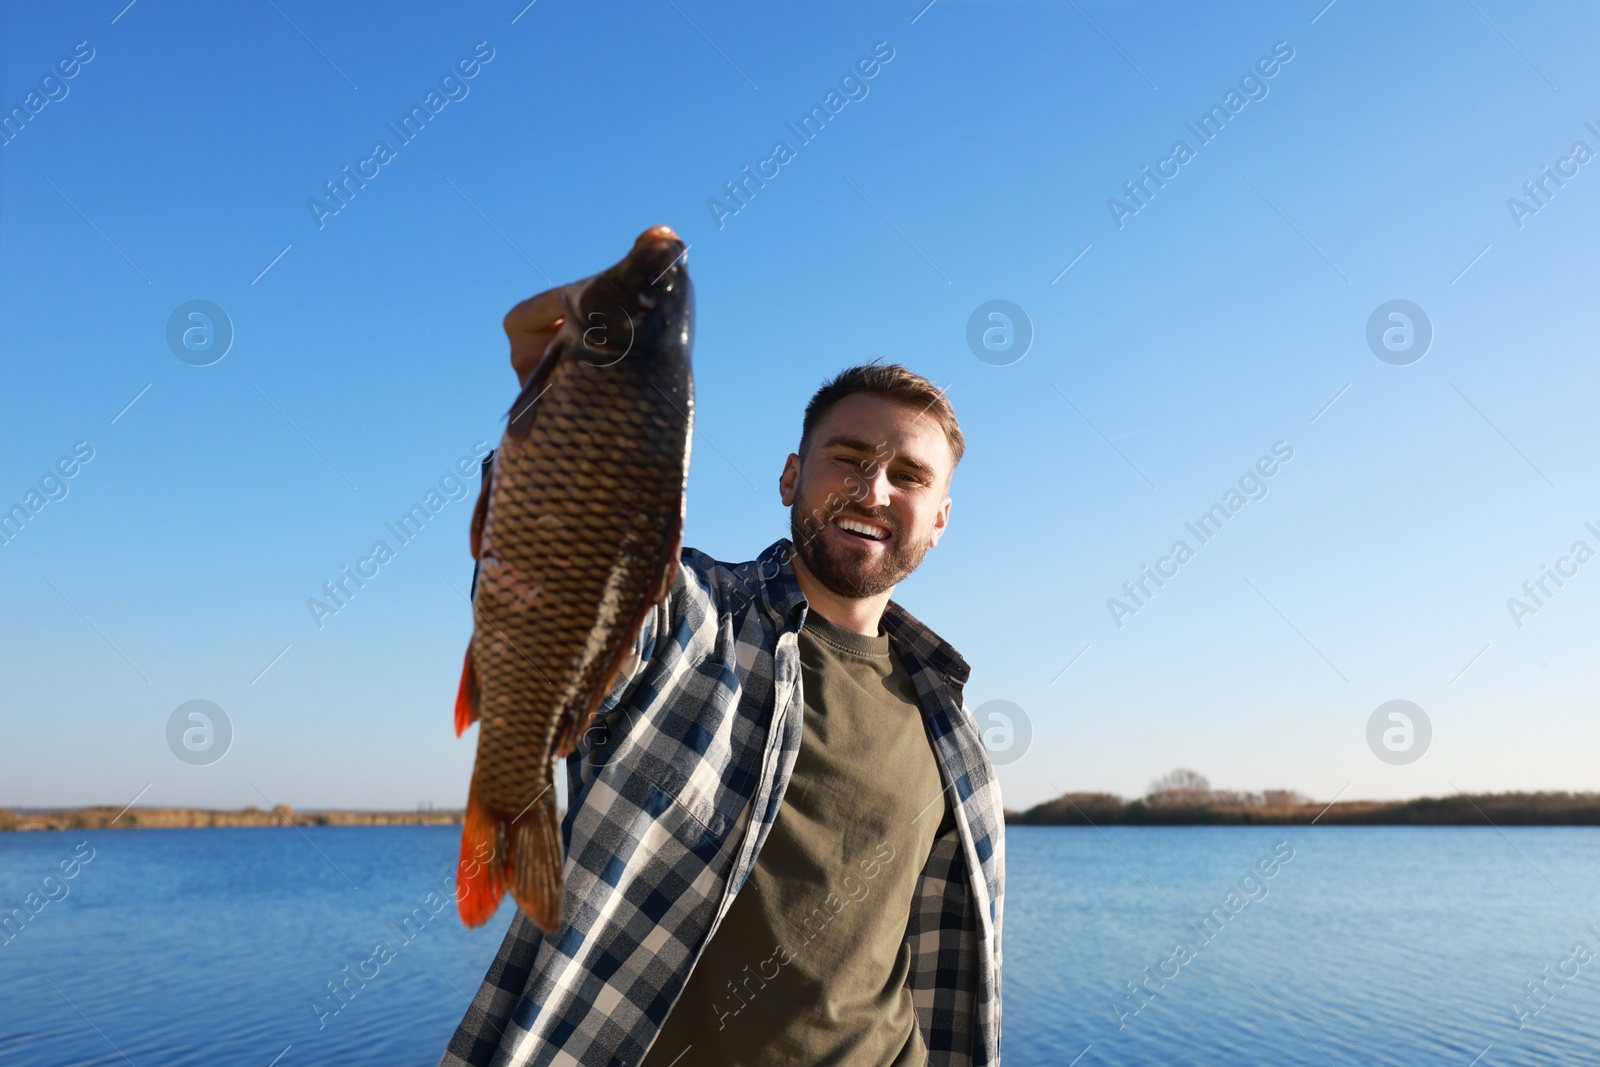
[{"x": 875, "y": 488}]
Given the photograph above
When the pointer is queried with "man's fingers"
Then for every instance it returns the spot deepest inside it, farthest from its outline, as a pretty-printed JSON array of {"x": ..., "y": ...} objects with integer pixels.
[
  {"x": 535, "y": 314},
  {"x": 531, "y": 326}
]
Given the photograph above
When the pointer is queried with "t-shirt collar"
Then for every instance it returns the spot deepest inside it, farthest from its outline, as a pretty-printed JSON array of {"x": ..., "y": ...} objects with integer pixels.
[{"x": 775, "y": 570}]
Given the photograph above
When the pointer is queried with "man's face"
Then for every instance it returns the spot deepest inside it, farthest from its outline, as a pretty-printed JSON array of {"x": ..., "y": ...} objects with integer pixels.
[{"x": 869, "y": 498}]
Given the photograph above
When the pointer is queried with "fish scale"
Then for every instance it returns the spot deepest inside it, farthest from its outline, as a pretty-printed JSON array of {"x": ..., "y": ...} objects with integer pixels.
[{"x": 578, "y": 539}]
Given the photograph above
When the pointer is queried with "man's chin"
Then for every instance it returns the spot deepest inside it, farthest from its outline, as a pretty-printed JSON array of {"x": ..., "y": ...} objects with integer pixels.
[
  {"x": 856, "y": 586},
  {"x": 856, "y": 578}
]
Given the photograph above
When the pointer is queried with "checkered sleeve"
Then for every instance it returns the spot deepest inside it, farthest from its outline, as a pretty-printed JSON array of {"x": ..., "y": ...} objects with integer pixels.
[
  {"x": 996, "y": 839},
  {"x": 986, "y": 810},
  {"x": 955, "y": 960},
  {"x": 477, "y": 1037}
]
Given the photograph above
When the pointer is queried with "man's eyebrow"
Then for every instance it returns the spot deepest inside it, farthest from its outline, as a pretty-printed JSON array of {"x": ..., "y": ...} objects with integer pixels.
[
  {"x": 855, "y": 444},
  {"x": 848, "y": 442}
]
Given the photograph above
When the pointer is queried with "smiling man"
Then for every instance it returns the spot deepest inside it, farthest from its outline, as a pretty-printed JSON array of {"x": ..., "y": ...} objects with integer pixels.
[{"x": 784, "y": 837}]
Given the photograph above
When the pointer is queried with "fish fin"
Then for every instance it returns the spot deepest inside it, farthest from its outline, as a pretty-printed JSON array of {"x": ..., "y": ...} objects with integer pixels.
[
  {"x": 522, "y": 412},
  {"x": 533, "y": 859},
  {"x": 573, "y": 727},
  {"x": 480, "y": 510},
  {"x": 481, "y": 870},
  {"x": 669, "y": 570},
  {"x": 467, "y": 696},
  {"x": 568, "y": 733}
]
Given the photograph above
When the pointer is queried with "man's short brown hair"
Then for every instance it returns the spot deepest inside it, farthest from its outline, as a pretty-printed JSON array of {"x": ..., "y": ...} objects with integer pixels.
[{"x": 892, "y": 382}]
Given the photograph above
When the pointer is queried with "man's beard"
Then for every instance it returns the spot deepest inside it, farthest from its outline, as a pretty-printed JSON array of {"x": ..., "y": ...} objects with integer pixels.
[{"x": 849, "y": 575}]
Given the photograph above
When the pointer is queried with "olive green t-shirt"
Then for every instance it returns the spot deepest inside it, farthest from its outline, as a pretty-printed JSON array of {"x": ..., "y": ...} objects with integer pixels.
[{"x": 809, "y": 965}]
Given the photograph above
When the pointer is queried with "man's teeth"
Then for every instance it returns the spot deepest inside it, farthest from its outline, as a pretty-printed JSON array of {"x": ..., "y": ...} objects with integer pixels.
[{"x": 874, "y": 532}]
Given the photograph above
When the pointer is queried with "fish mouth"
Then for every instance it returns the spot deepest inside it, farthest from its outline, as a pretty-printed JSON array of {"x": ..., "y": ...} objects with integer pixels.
[
  {"x": 657, "y": 254},
  {"x": 645, "y": 296}
]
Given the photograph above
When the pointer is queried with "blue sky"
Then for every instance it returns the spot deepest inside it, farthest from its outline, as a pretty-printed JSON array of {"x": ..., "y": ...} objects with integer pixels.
[{"x": 1221, "y": 318}]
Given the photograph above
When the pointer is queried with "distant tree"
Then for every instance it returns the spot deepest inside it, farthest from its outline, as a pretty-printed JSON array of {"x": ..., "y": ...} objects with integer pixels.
[
  {"x": 1078, "y": 809},
  {"x": 1179, "y": 787}
]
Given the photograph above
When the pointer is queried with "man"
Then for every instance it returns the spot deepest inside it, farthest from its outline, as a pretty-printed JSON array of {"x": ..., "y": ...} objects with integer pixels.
[{"x": 784, "y": 838}]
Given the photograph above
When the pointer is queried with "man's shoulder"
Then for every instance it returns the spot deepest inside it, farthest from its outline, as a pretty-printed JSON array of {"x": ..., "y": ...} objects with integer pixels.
[
  {"x": 714, "y": 571},
  {"x": 710, "y": 585},
  {"x": 911, "y": 634}
]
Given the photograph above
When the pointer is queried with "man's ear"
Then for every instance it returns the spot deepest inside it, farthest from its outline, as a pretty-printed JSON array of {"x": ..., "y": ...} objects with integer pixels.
[
  {"x": 940, "y": 521},
  {"x": 789, "y": 480}
]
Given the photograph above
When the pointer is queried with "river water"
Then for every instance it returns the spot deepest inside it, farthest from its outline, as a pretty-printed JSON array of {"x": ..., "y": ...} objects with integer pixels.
[{"x": 1147, "y": 945}]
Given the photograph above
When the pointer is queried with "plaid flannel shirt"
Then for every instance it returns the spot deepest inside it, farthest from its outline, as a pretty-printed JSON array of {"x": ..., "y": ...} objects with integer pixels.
[{"x": 672, "y": 791}]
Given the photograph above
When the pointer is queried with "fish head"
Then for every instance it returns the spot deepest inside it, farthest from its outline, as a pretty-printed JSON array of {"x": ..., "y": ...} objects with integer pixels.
[{"x": 643, "y": 304}]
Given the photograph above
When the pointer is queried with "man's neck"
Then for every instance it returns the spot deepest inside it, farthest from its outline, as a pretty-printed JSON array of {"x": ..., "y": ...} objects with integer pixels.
[{"x": 859, "y": 615}]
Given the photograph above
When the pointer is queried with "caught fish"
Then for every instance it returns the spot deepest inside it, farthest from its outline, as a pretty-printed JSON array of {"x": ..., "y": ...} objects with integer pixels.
[{"x": 577, "y": 534}]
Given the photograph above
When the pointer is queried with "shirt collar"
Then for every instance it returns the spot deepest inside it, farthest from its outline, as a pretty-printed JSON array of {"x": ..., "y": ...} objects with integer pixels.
[{"x": 775, "y": 569}]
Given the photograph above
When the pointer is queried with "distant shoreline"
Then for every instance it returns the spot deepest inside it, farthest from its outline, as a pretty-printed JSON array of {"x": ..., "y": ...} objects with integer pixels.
[
  {"x": 110, "y": 818},
  {"x": 1071, "y": 809},
  {"x": 1480, "y": 809}
]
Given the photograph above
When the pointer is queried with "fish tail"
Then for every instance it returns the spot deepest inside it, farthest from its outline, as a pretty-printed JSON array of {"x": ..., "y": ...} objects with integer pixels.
[
  {"x": 534, "y": 858},
  {"x": 467, "y": 696},
  {"x": 481, "y": 870}
]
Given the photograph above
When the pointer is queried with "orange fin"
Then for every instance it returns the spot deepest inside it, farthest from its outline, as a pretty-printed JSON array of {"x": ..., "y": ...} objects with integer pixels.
[
  {"x": 480, "y": 872},
  {"x": 467, "y": 696},
  {"x": 534, "y": 861}
]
